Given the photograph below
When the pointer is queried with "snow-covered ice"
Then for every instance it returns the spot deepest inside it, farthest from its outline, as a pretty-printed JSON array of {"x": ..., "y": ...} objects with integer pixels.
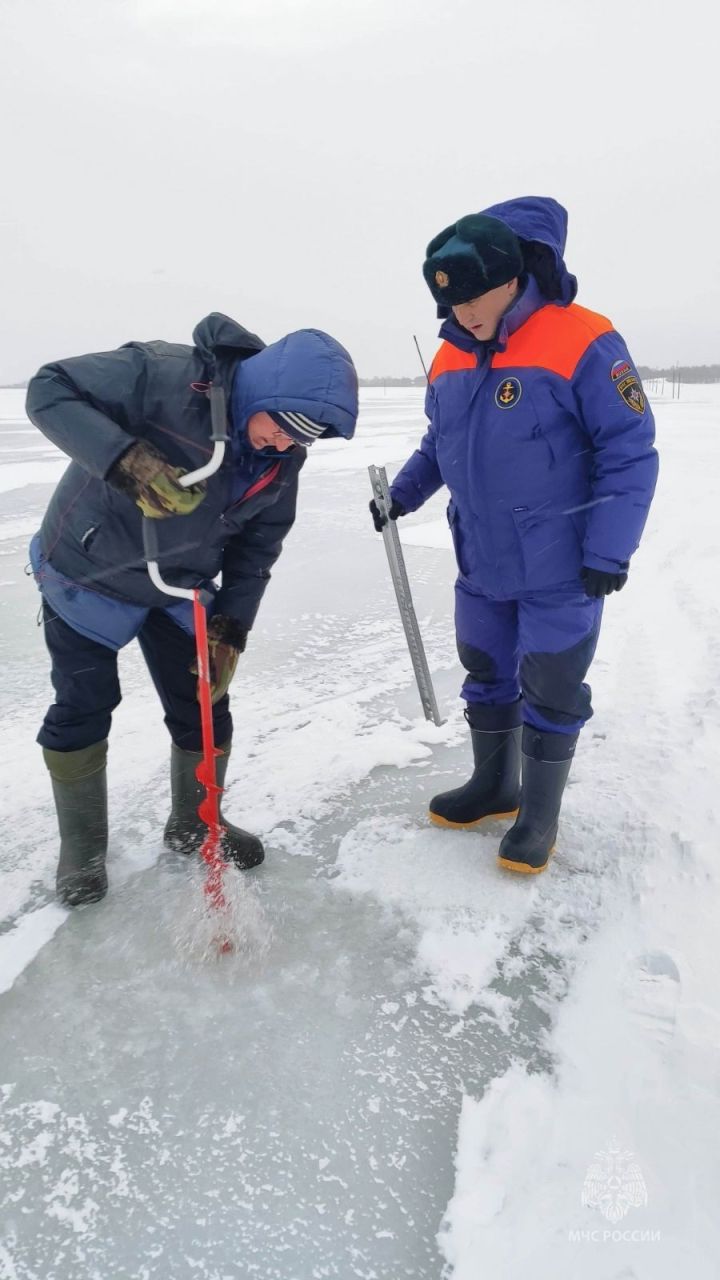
[{"x": 419, "y": 1066}]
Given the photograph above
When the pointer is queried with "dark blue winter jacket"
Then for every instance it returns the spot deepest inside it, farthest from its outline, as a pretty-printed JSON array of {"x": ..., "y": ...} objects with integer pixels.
[
  {"x": 95, "y": 406},
  {"x": 543, "y": 435}
]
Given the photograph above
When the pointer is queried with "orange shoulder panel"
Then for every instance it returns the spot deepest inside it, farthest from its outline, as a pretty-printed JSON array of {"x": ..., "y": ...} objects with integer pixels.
[
  {"x": 449, "y": 359},
  {"x": 554, "y": 338}
]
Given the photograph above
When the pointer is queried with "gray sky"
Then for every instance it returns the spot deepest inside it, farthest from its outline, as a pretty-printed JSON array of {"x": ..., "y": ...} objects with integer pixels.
[{"x": 287, "y": 161}]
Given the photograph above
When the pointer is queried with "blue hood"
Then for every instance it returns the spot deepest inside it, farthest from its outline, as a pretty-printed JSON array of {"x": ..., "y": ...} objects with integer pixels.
[
  {"x": 541, "y": 220},
  {"x": 307, "y": 371}
]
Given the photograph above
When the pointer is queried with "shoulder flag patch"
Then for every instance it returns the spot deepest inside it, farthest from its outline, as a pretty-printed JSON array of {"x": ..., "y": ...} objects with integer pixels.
[{"x": 628, "y": 384}]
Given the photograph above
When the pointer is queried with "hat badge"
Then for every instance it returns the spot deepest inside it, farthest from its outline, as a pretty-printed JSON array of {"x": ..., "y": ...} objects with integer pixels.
[{"x": 442, "y": 279}]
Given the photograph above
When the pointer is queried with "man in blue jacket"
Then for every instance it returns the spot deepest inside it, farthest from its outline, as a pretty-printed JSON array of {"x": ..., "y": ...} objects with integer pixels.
[
  {"x": 133, "y": 421},
  {"x": 540, "y": 429}
]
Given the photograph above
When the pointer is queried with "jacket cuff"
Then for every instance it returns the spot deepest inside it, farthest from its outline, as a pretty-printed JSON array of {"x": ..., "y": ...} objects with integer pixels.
[
  {"x": 591, "y": 561},
  {"x": 237, "y": 604},
  {"x": 405, "y": 498},
  {"x": 116, "y": 455}
]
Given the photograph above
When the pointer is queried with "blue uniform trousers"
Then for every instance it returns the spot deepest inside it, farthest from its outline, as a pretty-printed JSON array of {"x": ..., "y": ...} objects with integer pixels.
[{"x": 538, "y": 646}]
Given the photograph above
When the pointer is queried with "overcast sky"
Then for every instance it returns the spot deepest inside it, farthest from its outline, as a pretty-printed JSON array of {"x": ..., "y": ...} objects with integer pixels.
[{"x": 287, "y": 161}]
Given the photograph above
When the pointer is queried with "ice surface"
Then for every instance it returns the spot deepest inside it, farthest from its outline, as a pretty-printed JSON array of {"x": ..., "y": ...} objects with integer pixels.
[{"x": 411, "y": 1043}]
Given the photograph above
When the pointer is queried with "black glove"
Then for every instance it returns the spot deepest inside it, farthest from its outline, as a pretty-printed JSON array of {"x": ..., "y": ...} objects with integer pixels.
[
  {"x": 598, "y": 583},
  {"x": 379, "y": 521}
]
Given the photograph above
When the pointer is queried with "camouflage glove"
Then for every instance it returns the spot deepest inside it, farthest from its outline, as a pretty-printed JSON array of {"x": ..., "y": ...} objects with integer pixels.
[
  {"x": 226, "y": 641},
  {"x": 144, "y": 475}
]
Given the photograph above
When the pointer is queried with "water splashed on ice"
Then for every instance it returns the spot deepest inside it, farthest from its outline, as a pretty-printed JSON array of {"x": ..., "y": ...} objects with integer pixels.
[{"x": 202, "y": 933}]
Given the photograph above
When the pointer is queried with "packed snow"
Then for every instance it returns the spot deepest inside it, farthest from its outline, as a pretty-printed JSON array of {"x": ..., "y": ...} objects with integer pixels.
[{"x": 417, "y": 1065}]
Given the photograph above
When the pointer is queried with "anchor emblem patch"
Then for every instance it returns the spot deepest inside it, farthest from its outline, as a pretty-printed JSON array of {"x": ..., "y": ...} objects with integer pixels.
[{"x": 508, "y": 393}]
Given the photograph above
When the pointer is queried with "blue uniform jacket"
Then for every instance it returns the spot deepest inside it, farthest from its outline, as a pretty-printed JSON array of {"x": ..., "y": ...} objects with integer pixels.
[{"x": 543, "y": 436}]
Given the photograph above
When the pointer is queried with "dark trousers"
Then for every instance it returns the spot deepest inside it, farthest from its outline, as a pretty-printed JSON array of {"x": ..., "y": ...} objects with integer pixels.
[{"x": 87, "y": 690}]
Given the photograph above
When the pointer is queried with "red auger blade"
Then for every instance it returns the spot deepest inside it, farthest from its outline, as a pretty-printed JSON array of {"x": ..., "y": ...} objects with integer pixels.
[{"x": 209, "y": 807}]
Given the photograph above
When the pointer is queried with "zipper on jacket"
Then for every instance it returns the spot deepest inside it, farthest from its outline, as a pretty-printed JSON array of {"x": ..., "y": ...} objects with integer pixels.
[{"x": 264, "y": 481}]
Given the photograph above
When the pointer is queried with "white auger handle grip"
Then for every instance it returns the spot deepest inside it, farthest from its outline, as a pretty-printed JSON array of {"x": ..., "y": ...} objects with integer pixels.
[
  {"x": 219, "y": 436},
  {"x": 202, "y": 473},
  {"x": 151, "y": 548}
]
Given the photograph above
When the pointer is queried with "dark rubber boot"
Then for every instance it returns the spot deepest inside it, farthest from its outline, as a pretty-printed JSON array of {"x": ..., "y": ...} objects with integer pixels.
[
  {"x": 546, "y": 761},
  {"x": 79, "y": 783},
  {"x": 493, "y": 791},
  {"x": 185, "y": 831}
]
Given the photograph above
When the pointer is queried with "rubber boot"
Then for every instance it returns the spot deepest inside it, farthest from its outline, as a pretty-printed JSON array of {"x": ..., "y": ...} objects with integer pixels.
[
  {"x": 185, "y": 831},
  {"x": 546, "y": 761},
  {"x": 79, "y": 783},
  {"x": 493, "y": 791}
]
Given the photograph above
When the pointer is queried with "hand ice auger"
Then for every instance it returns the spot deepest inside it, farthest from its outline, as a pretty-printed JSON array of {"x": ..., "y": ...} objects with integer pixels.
[{"x": 209, "y": 808}]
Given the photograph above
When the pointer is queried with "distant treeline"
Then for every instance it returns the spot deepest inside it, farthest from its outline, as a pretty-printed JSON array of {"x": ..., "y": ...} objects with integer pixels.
[
  {"x": 392, "y": 382},
  {"x": 364, "y": 382},
  {"x": 683, "y": 372}
]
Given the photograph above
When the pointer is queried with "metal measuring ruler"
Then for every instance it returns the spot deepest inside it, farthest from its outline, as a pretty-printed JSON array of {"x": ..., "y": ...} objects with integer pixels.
[{"x": 398, "y": 572}]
